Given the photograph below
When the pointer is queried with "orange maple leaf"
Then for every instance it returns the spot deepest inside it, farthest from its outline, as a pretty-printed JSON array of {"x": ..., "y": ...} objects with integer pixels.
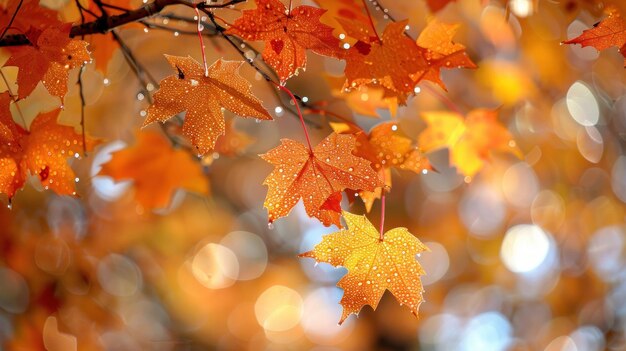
[
  {"x": 49, "y": 59},
  {"x": 386, "y": 147},
  {"x": 470, "y": 141},
  {"x": 440, "y": 51},
  {"x": 287, "y": 34},
  {"x": 30, "y": 14},
  {"x": 390, "y": 62},
  {"x": 318, "y": 177},
  {"x": 374, "y": 264},
  {"x": 156, "y": 169},
  {"x": 610, "y": 32},
  {"x": 42, "y": 151},
  {"x": 203, "y": 96}
]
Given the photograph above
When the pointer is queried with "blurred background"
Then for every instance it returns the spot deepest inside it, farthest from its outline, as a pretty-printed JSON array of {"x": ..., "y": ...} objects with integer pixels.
[{"x": 529, "y": 255}]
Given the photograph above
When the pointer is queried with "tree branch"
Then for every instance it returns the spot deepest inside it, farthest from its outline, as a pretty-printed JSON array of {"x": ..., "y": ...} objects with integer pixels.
[{"x": 105, "y": 23}]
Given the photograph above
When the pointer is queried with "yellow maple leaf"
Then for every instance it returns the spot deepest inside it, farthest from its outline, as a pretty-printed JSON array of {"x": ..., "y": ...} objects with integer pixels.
[
  {"x": 374, "y": 264},
  {"x": 203, "y": 94},
  {"x": 471, "y": 140}
]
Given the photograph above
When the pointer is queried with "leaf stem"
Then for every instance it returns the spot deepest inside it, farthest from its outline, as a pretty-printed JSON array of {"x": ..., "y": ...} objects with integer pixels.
[
  {"x": 382, "y": 209},
  {"x": 202, "y": 47},
  {"x": 295, "y": 102},
  {"x": 369, "y": 16}
]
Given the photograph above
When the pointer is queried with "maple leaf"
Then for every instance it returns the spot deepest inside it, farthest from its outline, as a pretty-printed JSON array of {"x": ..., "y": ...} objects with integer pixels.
[
  {"x": 437, "y": 47},
  {"x": 30, "y": 14},
  {"x": 42, "y": 151},
  {"x": 203, "y": 97},
  {"x": 386, "y": 147},
  {"x": 470, "y": 141},
  {"x": 287, "y": 35},
  {"x": 374, "y": 264},
  {"x": 49, "y": 59},
  {"x": 157, "y": 170},
  {"x": 318, "y": 177},
  {"x": 390, "y": 62},
  {"x": 610, "y": 32}
]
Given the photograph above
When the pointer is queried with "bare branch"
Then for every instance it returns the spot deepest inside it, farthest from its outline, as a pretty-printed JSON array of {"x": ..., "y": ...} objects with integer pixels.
[{"x": 106, "y": 23}]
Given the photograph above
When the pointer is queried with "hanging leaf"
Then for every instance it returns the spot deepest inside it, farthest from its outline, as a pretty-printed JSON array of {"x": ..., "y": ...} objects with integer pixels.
[
  {"x": 386, "y": 147},
  {"x": 374, "y": 264},
  {"x": 317, "y": 177},
  {"x": 389, "y": 62},
  {"x": 287, "y": 34},
  {"x": 203, "y": 98}
]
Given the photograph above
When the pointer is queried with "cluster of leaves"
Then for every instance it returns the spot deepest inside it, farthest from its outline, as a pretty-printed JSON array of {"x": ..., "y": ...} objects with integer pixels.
[{"x": 388, "y": 66}]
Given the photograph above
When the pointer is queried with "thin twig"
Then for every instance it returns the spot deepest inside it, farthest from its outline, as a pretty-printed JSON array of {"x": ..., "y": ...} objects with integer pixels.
[
  {"x": 82, "y": 108},
  {"x": 13, "y": 97},
  {"x": 144, "y": 78},
  {"x": 306, "y": 132},
  {"x": 17, "y": 9},
  {"x": 81, "y": 91}
]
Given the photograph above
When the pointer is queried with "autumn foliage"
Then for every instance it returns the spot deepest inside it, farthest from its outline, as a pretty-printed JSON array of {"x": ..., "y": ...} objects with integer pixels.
[{"x": 340, "y": 83}]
